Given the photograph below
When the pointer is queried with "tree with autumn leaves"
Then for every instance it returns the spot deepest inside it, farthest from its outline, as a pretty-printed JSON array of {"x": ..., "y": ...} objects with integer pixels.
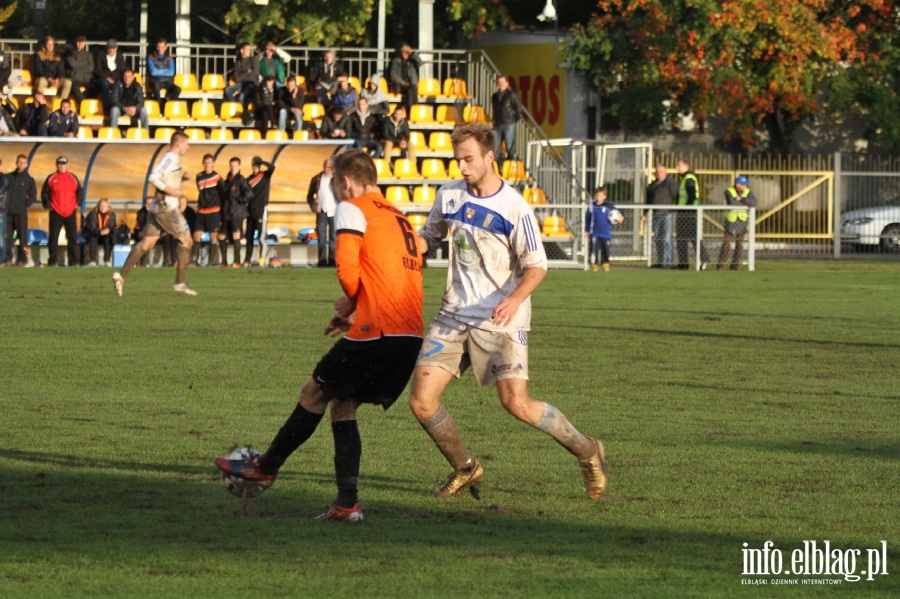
[{"x": 754, "y": 63}]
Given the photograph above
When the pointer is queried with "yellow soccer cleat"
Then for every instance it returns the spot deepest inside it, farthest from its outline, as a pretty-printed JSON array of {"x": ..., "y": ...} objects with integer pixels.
[
  {"x": 594, "y": 471},
  {"x": 470, "y": 476}
]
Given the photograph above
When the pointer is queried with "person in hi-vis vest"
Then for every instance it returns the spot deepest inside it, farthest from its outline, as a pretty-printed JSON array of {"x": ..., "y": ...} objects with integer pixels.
[{"x": 738, "y": 194}]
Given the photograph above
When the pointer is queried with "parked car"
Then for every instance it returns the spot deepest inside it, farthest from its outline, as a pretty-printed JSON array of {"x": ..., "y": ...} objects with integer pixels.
[{"x": 871, "y": 227}]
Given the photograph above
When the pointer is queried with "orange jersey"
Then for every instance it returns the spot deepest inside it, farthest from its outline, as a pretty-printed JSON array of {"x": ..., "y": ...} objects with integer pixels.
[{"x": 379, "y": 266}]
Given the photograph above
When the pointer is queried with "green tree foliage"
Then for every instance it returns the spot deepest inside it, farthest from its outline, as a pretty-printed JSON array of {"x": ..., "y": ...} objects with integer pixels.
[
  {"x": 345, "y": 21},
  {"x": 753, "y": 62}
]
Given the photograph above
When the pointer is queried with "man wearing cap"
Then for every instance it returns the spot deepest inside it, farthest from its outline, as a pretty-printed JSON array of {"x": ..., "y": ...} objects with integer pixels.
[
  {"x": 108, "y": 69},
  {"x": 61, "y": 194},
  {"x": 738, "y": 194},
  {"x": 80, "y": 68}
]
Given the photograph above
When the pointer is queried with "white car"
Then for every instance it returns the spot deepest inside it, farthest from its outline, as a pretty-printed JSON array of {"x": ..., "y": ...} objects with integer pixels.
[{"x": 875, "y": 226}]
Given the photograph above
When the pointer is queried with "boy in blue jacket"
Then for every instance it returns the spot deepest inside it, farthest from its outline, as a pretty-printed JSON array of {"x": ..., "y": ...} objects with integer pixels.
[{"x": 598, "y": 228}]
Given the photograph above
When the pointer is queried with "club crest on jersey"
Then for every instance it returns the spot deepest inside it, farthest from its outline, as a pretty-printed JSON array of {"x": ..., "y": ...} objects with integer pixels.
[
  {"x": 470, "y": 213},
  {"x": 487, "y": 221}
]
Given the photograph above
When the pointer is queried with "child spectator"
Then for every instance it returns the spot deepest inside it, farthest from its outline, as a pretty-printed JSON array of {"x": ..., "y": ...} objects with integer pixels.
[{"x": 598, "y": 228}]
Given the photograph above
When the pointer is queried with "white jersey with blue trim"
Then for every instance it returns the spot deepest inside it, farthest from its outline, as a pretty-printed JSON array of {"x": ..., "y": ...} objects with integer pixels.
[
  {"x": 493, "y": 240},
  {"x": 167, "y": 173}
]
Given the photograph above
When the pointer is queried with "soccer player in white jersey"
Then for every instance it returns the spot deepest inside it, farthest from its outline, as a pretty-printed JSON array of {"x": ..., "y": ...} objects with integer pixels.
[
  {"x": 164, "y": 215},
  {"x": 496, "y": 262}
]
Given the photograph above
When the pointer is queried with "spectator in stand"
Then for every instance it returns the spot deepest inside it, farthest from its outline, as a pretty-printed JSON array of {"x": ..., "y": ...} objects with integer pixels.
[
  {"x": 64, "y": 122},
  {"x": 403, "y": 75},
  {"x": 99, "y": 230},
  {"x": 61, "y": 194},
  {"x": 246, "y": 79},
  {"x": 80, "y": 68},
  {"x": 260, "y": 182},
  {"x": 323, "y": 75},
  {"x": 343, "y": 95},
  {"x": 34, "y": 117},
  {"x": 265, "y": 105},
  {"x": 396, "y": 133},
  {"x": 274, "y": 63},
  {"x": 506, "y": 113},
  {"x": 364, "y": 127},
  {"x": 161, "y": 71},
  {"x": 22, "y": 194},
  {"x": 379, "y": 103},
  {"x": 290, "y": 105},
  {"x": 8, "y": 119},
  {"x": 5, "y": 69},
  {"x": 128, "y": 98},
  {"x": 335, "y": 124},
  {"x": 108, "y": 69},
  {"x": 48, "y": 69}
]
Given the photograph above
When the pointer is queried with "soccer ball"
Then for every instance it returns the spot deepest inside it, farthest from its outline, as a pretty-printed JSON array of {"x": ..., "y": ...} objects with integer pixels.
[
  {"x": 240, "y": 488},
  {"x": 615, "y": 216}
]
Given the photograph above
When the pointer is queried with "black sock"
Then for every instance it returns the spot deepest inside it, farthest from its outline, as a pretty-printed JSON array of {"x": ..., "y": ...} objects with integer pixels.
[
  {"x": 299, "y": 427},
  {"x": 347, "y": 451}
]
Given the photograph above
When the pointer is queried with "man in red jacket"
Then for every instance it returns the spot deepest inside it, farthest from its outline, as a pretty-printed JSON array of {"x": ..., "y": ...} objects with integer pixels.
[{"x": 61, "y": 194}]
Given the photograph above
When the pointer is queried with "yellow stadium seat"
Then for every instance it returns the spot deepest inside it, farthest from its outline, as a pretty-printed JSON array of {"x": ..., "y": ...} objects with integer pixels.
[
  {"x": 429, "y": 88},
  {"x": 513, "y": 170},
  {"x": 85, "y": 133},
  {"x": 137, "y": 133},
  {"x": 474, "y": 114},
  {"x": 455, "y": 88},
  {"x": 163, "y": 133},
  {"x": 152, "y": 108},
  {"x": 416, "y": 220},
  {"x": 187, "y": 82},
  {"x": 421, "y": 113},
  {"x": 446, "y": 114},
  {"x": 212, "y": 82},
  {"x": 313, "y": 111},
  {"x": 250, "y": 134},
  {"x": 138, "y": 79},
  {"x": 277, "y": 135},
  {"x": 382, "y": 167},
  {"x": 535, "y": 195},
  {"x": 354, "y": 83},
  {"x": 109, "y": 133},
  {"x": 221, "y": 134},
  {"x": 439, "y": 141},
  {"x": 404, "y": 168},
  {"x": 23, "y": 80},
  {"x": 202, "y": 110},
  {"x": 453, "y": 170},
  {"x": 231, "y": 111},
  {"x": 396, "y": 194},
  {"x": 424, "y": 194},
  {"x": 90, "y": 107},
  {"x": 301, "y": 135},
  {"x": 433, "y": 168},
  {"x": 417, "y": 139},
  {"x": 195, "y": 133},
  {"x": 176, "y": 109},
  {"x": 555, "y": 226}
]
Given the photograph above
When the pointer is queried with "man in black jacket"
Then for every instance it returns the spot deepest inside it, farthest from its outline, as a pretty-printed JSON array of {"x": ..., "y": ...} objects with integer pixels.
[
  {"x": 33, "y": 117},
  {"x": 260, "y": 182},
  {"x": 507, "y": 110},
  {"x": 22, "y": 194},
  {"x": 108, "y": 69},
  {"x": 235, "y": 200},
  {"x": 364, "y": 127}
]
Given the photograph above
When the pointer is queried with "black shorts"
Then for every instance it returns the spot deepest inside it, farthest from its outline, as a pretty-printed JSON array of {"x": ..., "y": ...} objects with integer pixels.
[
  {"x": 368, "y": 371},
  {"x": 209, "y": 222},
  {"x": 232, "y": 225}
]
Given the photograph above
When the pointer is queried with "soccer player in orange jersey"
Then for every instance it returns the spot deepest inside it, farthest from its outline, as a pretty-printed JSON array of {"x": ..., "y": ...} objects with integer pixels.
[{"x": 377, "y": 257}]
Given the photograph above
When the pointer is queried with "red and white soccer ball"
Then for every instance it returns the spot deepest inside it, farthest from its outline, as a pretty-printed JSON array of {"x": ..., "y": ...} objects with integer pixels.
[{"x": 240, "y": 488}]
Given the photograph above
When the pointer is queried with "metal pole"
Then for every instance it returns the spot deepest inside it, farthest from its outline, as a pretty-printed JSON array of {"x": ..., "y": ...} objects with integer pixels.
[
  {"x": 382, "y": 54},
  {"x": 836, "y": 203}
]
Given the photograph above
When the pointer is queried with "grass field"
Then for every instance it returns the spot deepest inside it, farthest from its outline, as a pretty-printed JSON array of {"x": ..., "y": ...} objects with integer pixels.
[{"x": 736, "y": 408}]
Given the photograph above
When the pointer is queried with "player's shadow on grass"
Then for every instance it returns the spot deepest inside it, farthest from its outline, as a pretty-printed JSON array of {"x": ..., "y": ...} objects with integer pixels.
[{"x": 768, "y": 392}]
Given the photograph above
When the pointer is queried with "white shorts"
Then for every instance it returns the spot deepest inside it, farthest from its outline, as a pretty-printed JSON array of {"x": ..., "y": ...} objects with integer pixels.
[{"x": 492, "y": 355}]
